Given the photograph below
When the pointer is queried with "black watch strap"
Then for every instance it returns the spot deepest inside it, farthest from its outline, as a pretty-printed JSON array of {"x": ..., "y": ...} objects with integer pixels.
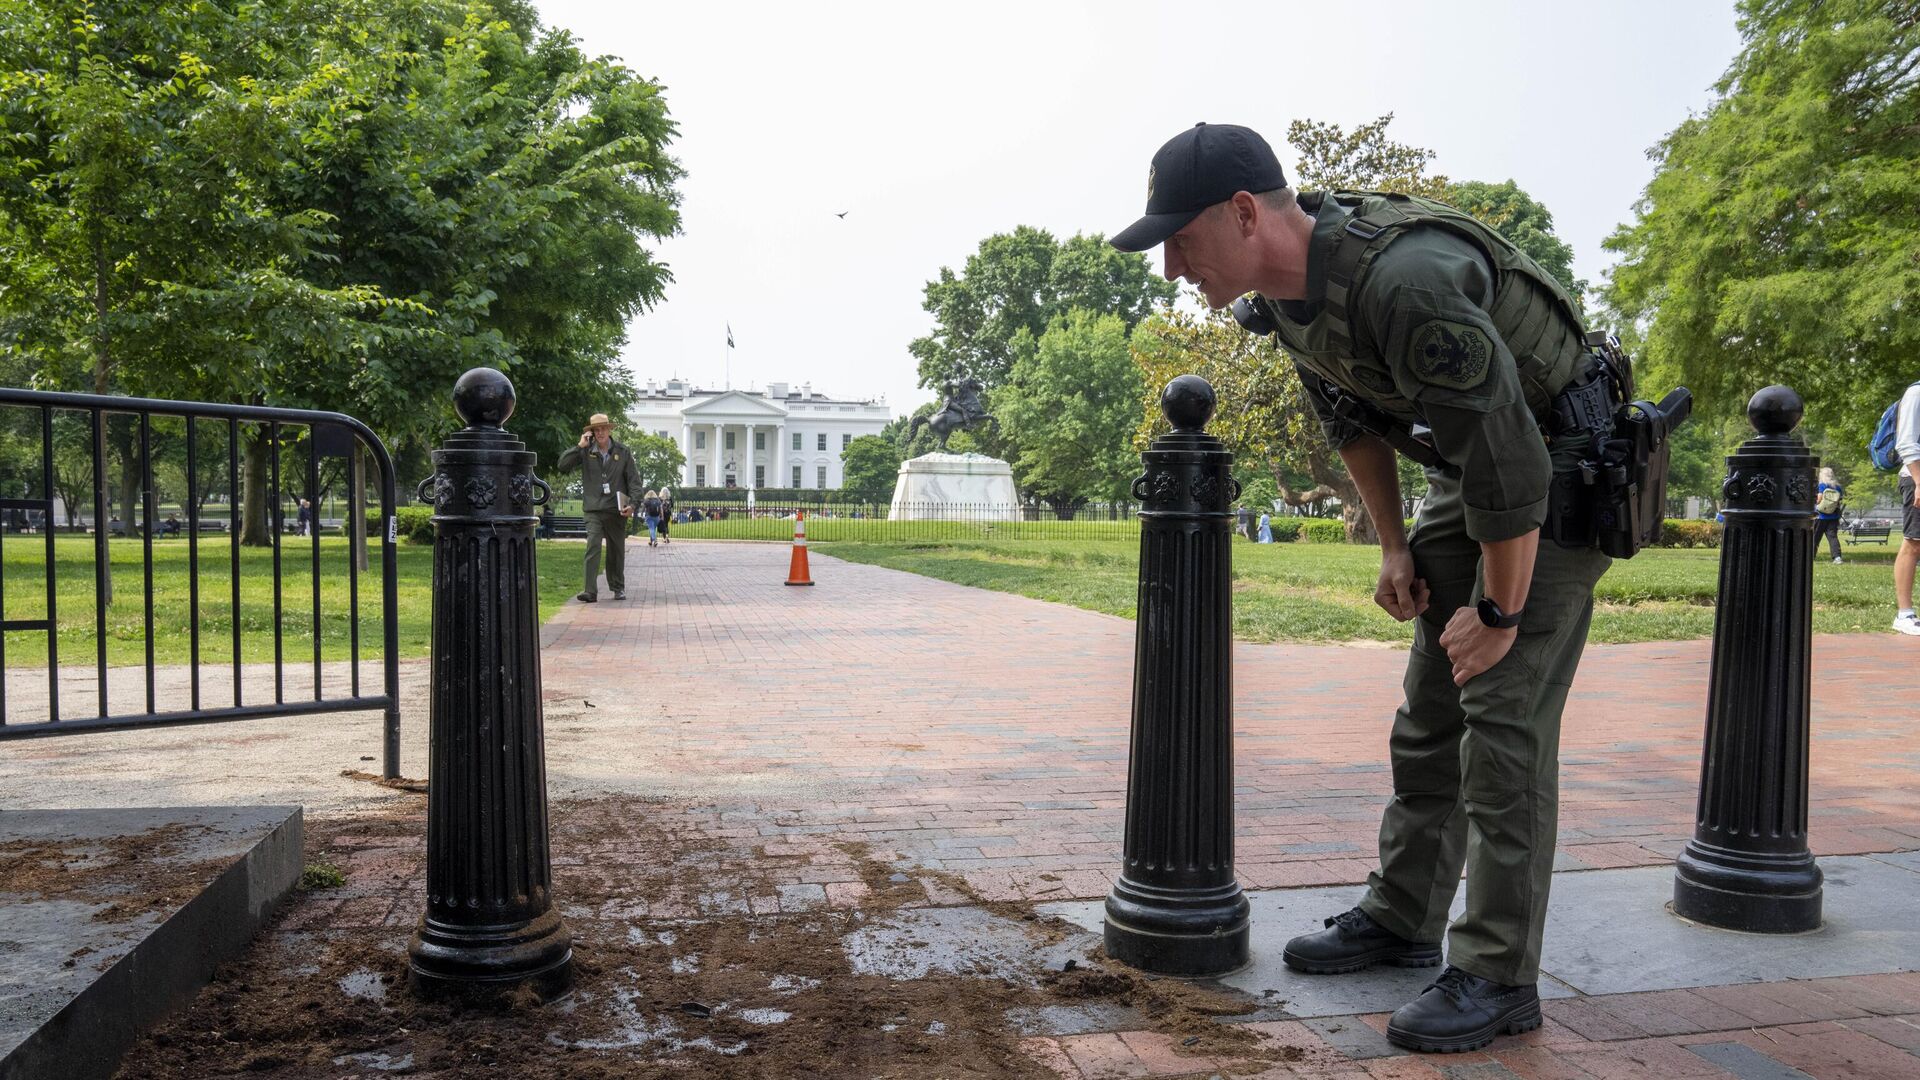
[{"x": 1491, "y": 615}]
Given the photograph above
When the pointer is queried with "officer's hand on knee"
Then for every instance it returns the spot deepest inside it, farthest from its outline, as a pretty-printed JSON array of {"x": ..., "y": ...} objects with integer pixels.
[
  {"x": 1399, "y": 593},
  {"x": 1472, "y": 645}
]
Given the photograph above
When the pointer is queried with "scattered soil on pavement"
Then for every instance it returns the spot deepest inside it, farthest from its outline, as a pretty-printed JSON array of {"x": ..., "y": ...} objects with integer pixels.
[
  {"x": 682, "y": 970},
  {"x": 131, "y": 874}
]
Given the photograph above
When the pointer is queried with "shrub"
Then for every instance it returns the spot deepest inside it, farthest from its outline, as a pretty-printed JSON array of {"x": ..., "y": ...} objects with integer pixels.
[
  {"x": 1686, "y": 533},
  {"x": 322, "y": 875},
  {"x": 414, "y": 524},
  {"x": 1284, "y": 529},
  {"x": 1322, "y": 530}
]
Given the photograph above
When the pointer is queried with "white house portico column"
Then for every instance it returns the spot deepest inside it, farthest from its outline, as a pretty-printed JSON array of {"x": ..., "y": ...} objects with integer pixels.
[
  {"x": 779, "y": 472},
  {"x": 686, "y": 454},
  {"x": 715, "y": 477},
  {"x": 748, "y": 478}
]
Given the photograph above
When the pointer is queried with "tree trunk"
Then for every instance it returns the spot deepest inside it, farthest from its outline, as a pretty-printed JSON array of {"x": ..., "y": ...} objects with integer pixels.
[
  {"x": 357, "y": 504},
  {"x": 1360, "y": 527},
  {"x": 1064, "y": 506},
  {"x": 256, "y": 530}
]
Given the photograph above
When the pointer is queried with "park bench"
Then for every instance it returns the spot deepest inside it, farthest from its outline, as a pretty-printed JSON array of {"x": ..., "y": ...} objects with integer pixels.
[
  {"x": 1876, "y": 533},
  {"x": 571, "y": 527}
]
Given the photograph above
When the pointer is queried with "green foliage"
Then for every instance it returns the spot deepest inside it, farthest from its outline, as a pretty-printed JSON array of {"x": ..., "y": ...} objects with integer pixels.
[
  {"x": 1364, "y": 159},
  {"x": 1070, "y": 406},
  {"x": 1777, "y": 240},
  {"x": 658, "y": 461},
  {"x": 1682, "y": 533},
  {"x": 1023, "y": 281},
  {"x": 1286, "y": 529},
  {"x": 870, "y": 467},
  {"x": 321, "y": 875},
  {"x": 1520, "y": 218},
  {"x": 1322, "y": 531},
  {"x": 412, "y": 524}
]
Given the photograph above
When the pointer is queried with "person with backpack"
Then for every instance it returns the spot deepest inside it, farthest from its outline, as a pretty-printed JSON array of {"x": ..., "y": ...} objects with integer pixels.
[
  {"x": 651, "y": 506},
  {"x": 1827, "y": 503},
  {"x": 1896, "y": 445}
]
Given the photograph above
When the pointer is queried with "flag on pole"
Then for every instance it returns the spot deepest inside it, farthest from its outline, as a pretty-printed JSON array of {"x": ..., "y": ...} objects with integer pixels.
[{"x": 729, "y": 335}]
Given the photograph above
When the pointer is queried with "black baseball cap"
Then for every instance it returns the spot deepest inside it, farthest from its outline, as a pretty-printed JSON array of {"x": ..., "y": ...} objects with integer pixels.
[{"x": 1201, "y": 166}]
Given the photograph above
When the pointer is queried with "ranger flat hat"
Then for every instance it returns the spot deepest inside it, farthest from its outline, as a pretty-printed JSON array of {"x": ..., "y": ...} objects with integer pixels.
[
  {"x": 598, "y": 419},
  {"x": 1201, "y": 166}
]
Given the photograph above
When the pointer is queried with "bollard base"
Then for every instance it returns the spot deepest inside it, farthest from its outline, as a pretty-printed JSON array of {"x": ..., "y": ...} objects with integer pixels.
[
  {"x": 1755, "y": 893},
  {"x": 1178, "y": 931},
  {"x": 481, "y": 961}
]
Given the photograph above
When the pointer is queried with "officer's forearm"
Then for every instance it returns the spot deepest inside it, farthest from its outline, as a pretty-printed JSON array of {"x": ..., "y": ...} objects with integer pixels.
[
  {"x": 1506, "y": 569},
  {"x": 1371, "y": 463}
]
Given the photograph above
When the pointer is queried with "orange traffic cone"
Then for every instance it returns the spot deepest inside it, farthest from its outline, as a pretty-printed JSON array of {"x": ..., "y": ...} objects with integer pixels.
[{"x": 797, "y": 572}]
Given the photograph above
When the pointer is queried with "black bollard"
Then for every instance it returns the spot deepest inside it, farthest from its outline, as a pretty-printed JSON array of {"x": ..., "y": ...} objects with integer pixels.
[
  {"x": 1747, "y": 866},
  {"x": 1177, "y": 909},
  {"x": 490, "y": 922}
]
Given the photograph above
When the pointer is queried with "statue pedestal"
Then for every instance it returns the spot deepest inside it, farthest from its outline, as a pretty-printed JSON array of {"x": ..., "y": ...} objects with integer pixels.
[{"x": 954, "y": 487}]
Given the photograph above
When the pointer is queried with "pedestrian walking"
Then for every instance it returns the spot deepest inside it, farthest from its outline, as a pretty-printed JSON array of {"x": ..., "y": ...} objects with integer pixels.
[
  {"x": 303, "y": 518},
  {"x": 1828, "y": 501},
  {"x": 1266, "y": 528},
  {"x": 1402, "y": 312},
  {"x": 650, "y": 506},
  {"x": 666, "y": 515},
  {"x": 608, "y": 483}
]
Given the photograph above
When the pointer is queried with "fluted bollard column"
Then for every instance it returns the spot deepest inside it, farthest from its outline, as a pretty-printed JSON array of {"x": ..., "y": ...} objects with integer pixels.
[
  {"x": 1177, "y": 909},
  {"x": 490, "y": 921},
  {"x": 1748, "y": 867}
]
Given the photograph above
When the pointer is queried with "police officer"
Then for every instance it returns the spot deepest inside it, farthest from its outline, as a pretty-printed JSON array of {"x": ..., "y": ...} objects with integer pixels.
[
  {"x": 1399, "y": 314},
  {"x": 608, "y": 475}
]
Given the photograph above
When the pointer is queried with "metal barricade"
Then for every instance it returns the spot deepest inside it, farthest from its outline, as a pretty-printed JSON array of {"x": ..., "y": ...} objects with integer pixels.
[{"x": 97, "y": 409}]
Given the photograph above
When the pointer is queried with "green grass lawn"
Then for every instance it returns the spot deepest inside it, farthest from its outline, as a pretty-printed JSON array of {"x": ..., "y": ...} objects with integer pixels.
[
  {"x": 24, "y": 564},
  {"x": 1323, "y": 592}
]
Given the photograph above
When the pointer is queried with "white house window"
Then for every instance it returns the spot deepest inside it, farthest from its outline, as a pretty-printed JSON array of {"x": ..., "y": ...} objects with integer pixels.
[
  {"x": 662, "y": 434},
  {"x": 699, "y": 440},
  {"x": 845, "y": 441},
  {"x": 729, "y": 440},
  {"x": 759, "y": 440},
  {"x": 821, "y": 441},
  {"x": 699, "y": 476},
  {"x": 823, "y": 472},
  {"x": 759, "y": 476},
  {"x": 796, "y": 446},
  {"x": 796, "y": 468}
]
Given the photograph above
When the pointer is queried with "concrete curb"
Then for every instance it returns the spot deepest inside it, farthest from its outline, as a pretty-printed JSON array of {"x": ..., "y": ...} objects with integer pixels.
[{"x": 167, "y": 967}]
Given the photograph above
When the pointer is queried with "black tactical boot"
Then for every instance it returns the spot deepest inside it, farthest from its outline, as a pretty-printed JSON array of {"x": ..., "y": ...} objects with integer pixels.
[
  {"x": 1351, "y": 941},
  {"x": 1463, "y": 1012}
]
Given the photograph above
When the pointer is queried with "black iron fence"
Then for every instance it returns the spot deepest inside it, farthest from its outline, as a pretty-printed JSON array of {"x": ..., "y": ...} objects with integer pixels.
[
  {"x": 738, "y": 519},
  {"x": 169, "y": 462}
]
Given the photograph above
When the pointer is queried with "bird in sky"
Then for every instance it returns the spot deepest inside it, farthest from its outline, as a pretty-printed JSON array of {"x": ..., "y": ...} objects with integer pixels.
[{"x": 842, "y": 215}]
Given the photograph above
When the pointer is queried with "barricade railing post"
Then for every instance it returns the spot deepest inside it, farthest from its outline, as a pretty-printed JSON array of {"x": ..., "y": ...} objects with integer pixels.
[
  {"x": 490, "y": 922},
  {"x": 1177, "y": 908},
  {"x": 1748, "y": 866}
]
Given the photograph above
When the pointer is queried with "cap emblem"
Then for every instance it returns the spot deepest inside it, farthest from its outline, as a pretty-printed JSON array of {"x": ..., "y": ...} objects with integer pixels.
[{"x": 1150, "y": 173}]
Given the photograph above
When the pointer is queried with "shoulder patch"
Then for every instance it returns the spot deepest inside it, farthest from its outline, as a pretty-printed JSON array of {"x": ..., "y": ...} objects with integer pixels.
[{"x": 1450, "y": 354}]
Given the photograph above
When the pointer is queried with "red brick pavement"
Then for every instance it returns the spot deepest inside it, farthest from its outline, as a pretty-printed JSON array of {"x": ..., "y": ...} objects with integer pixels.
[{"x": 986, "y": 734}]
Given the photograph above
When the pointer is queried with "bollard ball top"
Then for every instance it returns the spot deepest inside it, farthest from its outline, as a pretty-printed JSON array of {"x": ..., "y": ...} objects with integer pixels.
[
  {"x": 1775, "y": 410},
  {"x": 1188, "y": 403},
  {"x": 483, "y": 397}
]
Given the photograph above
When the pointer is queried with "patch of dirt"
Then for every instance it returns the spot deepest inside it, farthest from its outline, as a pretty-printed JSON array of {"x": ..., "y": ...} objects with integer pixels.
[
  {"x": 131, "y": 874},
  {"x": 402, "y": 783},
  {"x": 664, "y": 986}
]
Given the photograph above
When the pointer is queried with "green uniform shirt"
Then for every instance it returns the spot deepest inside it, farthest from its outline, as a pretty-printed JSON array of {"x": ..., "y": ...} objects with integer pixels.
[
  {"x": 602, "y": 479},
  {"x": 1426, "y": 352}
]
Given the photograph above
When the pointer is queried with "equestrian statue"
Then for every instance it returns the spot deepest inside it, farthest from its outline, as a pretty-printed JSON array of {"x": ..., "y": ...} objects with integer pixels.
[{"x": 961, "y": 411}]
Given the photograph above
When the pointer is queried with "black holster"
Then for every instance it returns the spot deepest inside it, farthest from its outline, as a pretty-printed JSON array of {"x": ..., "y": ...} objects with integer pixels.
[{"x": 1615, "y": 498}]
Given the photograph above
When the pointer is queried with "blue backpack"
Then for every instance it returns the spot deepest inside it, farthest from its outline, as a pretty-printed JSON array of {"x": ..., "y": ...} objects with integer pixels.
[{"x": 1881, "y": 447}]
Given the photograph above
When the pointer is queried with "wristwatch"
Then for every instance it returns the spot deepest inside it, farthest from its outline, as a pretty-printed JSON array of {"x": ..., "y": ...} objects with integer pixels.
[{"x": 1491, "y": 615}]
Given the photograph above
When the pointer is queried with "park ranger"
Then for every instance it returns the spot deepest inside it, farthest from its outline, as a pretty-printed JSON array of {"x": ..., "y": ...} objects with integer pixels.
[
  {"x": 609, "y": 488},
  {"x": 1416, "y": 329}
]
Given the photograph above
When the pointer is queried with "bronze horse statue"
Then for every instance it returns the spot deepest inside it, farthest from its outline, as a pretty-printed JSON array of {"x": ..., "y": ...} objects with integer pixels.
[{"x": 961, "y": 411}]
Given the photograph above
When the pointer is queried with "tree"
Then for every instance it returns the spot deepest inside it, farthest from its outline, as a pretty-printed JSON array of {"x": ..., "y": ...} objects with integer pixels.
[
  {"x": 658, "y": 461},
  {"x": 1364, "y": 159},
  {"x": 1520, "y": 218},
  {"x": 1070, "y": 405},
  {"x": 1023, "y": 280},
  {"x": 869, "y": 468},
  {"x": 1776, "y": 240},
  {"x": 190, "y": 209}
]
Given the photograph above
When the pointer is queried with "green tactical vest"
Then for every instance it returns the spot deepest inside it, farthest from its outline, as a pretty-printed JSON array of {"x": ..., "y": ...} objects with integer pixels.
[{"x": 1533, "y": 315}]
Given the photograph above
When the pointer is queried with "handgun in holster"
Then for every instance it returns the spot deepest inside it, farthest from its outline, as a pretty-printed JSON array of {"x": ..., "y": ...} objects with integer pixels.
[{"x": 1616, "y": 498}]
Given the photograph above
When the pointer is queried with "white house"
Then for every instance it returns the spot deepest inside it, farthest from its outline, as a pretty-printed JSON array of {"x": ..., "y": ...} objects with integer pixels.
[{"x": 781, "y": 437}]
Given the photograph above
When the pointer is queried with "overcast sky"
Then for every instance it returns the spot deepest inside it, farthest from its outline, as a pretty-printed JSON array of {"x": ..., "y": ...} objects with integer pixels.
[{"x": 936, "y": 126}]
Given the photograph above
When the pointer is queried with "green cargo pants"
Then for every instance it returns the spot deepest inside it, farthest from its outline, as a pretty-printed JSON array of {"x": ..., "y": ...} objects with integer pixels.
[
  {"x": 1476, "y": 768},
  {"x": 610, "y": 526}
]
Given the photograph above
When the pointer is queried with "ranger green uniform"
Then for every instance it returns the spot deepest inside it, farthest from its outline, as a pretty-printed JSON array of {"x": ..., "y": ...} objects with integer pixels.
[
  {"x": 1435, "y": 320},
  {"x": 603, "y": 479}
]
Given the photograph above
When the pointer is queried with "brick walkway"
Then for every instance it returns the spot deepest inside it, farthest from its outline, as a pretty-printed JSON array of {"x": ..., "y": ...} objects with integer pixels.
[{"x": 986, "y": 734}]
